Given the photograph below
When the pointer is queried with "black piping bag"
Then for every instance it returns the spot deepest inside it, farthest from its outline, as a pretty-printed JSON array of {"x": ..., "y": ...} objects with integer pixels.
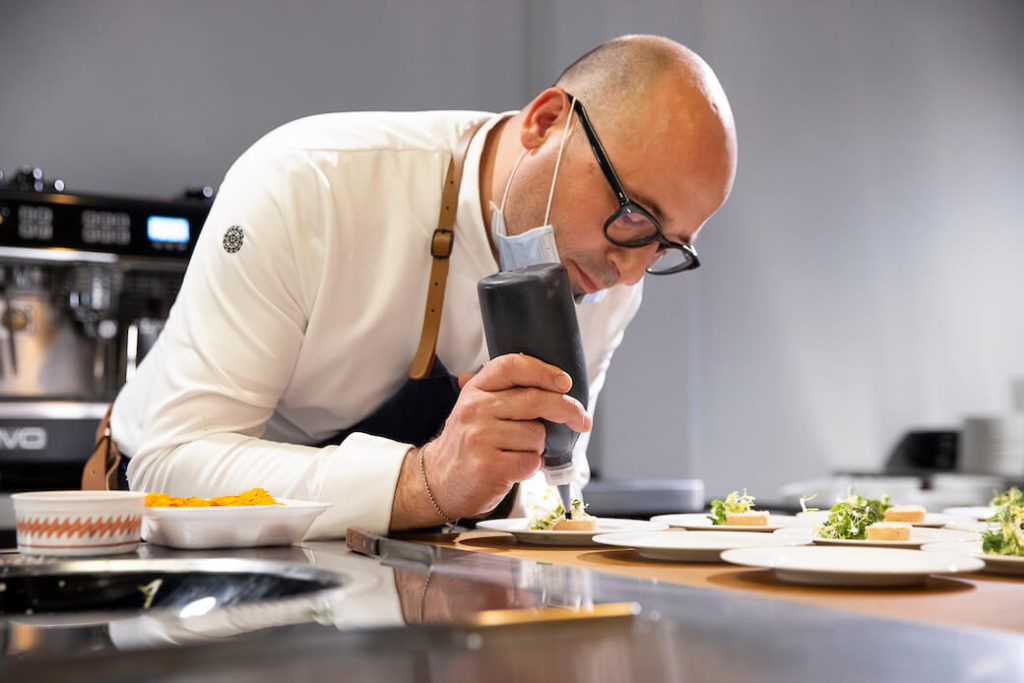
[{"x": 531, "y": 311}]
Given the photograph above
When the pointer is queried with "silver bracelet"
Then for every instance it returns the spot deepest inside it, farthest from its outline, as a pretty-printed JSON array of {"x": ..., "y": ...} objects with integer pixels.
[
  {"x": 437, "y": 508},
  {"x": 423, "y": 598}
]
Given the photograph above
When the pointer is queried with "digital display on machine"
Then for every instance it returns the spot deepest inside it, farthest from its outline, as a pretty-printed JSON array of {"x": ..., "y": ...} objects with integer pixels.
[
  {"x": 106, "y": 228},
  {"x": 167, "y": 229}
]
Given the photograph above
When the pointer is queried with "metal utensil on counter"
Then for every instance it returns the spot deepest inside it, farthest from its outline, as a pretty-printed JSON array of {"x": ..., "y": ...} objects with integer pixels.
[
  {"x": 530, "y": 310},
  {"x": 372, "y": 544}
]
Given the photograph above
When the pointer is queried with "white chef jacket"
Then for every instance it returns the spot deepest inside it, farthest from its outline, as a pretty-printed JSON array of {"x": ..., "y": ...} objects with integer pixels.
[{"x": 302, "y": 308}]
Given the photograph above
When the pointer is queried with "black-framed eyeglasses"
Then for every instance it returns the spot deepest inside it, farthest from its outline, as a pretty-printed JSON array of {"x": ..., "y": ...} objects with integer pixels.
[{"x": 631, "y": 225}]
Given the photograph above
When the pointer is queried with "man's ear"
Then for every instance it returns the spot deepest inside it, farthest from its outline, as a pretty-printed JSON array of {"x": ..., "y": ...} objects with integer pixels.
[{"x": 544, "y": 117}]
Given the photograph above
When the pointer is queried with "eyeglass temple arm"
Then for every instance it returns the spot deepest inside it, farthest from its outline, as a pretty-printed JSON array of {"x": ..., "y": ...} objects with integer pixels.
[{"x": 599, "y": 153}]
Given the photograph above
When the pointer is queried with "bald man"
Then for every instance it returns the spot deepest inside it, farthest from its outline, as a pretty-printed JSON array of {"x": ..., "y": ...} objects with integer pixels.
[{"x": 285, "y": 362}]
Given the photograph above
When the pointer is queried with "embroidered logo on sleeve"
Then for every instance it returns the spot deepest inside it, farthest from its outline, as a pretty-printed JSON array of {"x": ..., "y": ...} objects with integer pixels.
[{"x": 233, "y": 237}]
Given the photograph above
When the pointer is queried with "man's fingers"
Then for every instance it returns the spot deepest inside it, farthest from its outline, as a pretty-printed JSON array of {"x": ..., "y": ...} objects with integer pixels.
[
  {"x": 464, "y": 379},
  {"x": 532, "y": 404},
  {"x": 518, "y": 435},
  {"x": 521, "y": 465},
  {"x": 519, "y": 370}
]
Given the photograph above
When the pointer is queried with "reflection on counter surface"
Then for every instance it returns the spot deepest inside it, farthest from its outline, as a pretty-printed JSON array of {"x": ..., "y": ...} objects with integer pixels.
[
  {"x": 412, "y": 616},
  {"x": 53, "y": 590}
]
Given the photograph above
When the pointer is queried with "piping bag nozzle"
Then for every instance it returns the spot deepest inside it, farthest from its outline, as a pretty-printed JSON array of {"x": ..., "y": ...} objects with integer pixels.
[{"x": 565, "y": 493}]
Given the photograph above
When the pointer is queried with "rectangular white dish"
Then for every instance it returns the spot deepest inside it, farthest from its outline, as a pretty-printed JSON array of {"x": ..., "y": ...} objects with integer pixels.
[{"x": 230, "y": 526}]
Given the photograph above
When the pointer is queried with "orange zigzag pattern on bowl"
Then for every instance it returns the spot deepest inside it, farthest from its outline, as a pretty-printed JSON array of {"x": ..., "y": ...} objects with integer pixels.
[{"x": 102, "y": 526}]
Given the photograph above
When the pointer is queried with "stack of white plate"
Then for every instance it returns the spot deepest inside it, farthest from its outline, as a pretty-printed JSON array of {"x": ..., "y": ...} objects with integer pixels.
[
  {"x": 957, "y": 489},
  {"x": 993, "y": 445}
]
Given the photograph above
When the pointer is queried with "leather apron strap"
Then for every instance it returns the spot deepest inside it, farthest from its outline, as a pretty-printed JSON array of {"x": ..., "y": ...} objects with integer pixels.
[
  {"x": 441, "y": 249},
  {"x": 100, "y": 473}
]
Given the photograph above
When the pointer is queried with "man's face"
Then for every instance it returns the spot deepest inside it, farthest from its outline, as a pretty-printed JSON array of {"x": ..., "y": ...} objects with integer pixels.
[{"x": 678, "y": 177}]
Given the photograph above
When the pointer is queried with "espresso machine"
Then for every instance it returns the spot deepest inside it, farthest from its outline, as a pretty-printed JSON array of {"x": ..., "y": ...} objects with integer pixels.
[{"x": 86, "y": 282}]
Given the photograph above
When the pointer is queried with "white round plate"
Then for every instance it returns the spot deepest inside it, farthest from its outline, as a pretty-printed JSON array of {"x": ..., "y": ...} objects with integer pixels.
[
  {"x": 966, "y": 524},
  {"x": 1001, "y": 564},
  {"x": 931, "y": 519},
  {"x": 697, "y": 521},
  {"x": 519, "y": 527},
  {"x": 918, "y": 537},
  {"x": 852, "y": 566},
  {"x": 231, "y": 526},
  {"x": 977, "y": 513},
  {"x": 682, "y": 546}
]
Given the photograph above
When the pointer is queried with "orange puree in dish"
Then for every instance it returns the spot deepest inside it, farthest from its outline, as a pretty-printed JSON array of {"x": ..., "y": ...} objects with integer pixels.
[{"x": 250, "y": 497}]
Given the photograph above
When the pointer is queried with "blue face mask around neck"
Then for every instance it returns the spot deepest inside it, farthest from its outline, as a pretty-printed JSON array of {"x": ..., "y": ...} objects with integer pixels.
[{"x": 536, "y": 245}]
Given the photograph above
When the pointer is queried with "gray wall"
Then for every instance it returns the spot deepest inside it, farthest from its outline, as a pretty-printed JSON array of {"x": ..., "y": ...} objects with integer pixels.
[
  {"x": 863, "y": 279},
  {"x": 146, "y": 97}
]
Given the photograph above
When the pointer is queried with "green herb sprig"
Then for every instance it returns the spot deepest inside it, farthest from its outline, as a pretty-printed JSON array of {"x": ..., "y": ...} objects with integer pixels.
[
  {"x": 733, "y": 504},
  {"x": 1013, "y": 496},
  {"x": 850, "y": 519},
  {"x": 1008, "y": 538},
  {"x": 545, "y": 519}
]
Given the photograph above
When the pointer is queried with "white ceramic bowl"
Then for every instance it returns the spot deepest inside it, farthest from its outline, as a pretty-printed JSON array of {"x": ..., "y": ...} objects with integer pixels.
[
  {"x": 231, "y": 526},
  {"x": 78, "y": 522}
]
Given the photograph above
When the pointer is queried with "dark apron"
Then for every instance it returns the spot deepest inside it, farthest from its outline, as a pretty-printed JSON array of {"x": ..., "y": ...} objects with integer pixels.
[{"x": 415, "y": 415}]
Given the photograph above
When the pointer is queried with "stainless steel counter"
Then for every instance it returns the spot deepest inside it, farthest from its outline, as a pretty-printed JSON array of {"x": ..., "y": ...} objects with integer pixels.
[{"x": 407, "y": 619}]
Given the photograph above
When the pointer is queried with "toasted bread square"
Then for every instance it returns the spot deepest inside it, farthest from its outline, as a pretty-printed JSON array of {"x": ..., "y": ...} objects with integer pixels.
[
  {"x": 751, "y": 518},
  {"x": 585, "y": 524},
  {"x": 889, "y": 531},
  {"x": 905, "y": 513}
]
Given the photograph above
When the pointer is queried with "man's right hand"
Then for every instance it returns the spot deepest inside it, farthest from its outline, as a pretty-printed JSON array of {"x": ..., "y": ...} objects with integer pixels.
[{"x": 492, "y": 439}]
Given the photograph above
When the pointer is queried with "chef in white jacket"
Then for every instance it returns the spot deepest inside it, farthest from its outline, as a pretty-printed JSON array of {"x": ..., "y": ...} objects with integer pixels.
[{"x": 285, "y": 360}]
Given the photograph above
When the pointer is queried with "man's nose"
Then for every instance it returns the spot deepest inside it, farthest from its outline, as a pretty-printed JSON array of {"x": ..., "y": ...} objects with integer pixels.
[{"x": 632, "y": 263}]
